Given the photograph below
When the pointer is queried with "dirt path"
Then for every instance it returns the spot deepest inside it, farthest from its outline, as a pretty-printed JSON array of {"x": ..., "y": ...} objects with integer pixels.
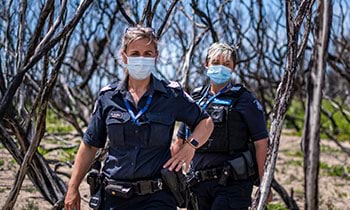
[{"x": 334, "y": 190}]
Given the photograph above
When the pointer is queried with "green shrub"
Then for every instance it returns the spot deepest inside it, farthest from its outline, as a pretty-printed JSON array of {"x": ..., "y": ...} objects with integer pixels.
[
  {"x": 334, "y": 170},
  {"x": 276, "y": 206},
  {"x": 56, "y": 125},
  {"x": 31, "y": 205},
  {"x": 296, "y": 111}
]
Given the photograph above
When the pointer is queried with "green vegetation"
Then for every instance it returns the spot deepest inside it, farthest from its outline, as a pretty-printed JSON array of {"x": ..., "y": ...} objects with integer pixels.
[
  {"x": 295, "y": 162},
  {"x": 42, "y": 151},
  {"x": 328, "y": 149},
  {"x": 343, "y": 132},
  {"x": 276, "y": 206},
  {"x": 296, "y": 111},
  {"x": 294, "y": 153},
  {"x": 334, "y": 170},
  {"x": 68, "y": 154},
  {"x": 56, "y": 125},
  {"x": 30, "y": 189},
  {"x": 2, "y": 162},
  {"x": 31, "y": 205},
  {"x": 63, "y": 154}
]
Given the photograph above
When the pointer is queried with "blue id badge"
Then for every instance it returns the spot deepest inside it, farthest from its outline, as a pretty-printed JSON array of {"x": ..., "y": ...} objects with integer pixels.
[{"x": 225, "y": 102}]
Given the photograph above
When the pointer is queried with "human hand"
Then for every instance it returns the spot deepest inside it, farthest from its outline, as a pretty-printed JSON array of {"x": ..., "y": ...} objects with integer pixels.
[
  {"x": 182, "y": 155},
  {"x": 72, "y": 200},
  {"x": 176, "y": 146}
]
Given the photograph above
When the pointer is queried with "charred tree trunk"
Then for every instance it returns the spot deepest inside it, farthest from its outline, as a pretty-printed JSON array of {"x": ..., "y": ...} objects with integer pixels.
[
  {"x": 315, "y": 81},
  {"x": 283, "y": 97}
]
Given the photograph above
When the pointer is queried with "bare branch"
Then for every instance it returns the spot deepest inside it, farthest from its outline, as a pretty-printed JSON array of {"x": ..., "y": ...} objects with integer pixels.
[
  {"x": 161, "y": 28},
  {"x": 126, "y": 16}
]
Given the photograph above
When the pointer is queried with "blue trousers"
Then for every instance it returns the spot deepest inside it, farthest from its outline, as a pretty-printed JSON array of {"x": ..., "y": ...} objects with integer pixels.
[
  {"x": 212, "y": 196},
  {"x": 159, "y": 200}
]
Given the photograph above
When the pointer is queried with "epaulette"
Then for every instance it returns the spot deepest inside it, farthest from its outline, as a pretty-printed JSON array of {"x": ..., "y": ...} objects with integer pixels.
[
  {"x": 108, "y": 87},
  {"x": 237, "y": 90},
  {"x": 174, "y": 84}
]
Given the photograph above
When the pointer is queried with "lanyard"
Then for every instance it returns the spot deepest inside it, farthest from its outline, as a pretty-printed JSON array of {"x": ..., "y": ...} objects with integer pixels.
[
  {"x": 134, "y": 118},
  {"x": 205, "y": 105}
]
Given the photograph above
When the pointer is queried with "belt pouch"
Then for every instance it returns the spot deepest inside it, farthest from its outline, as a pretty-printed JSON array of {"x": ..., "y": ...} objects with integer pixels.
[{"x": 239, "y": 168}]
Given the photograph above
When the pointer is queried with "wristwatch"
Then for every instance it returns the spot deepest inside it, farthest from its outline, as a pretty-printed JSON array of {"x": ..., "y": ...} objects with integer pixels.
[{"x": 193, "y": 143}]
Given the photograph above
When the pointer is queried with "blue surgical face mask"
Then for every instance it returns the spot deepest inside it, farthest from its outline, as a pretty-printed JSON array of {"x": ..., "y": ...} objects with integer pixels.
[
  {"x": 219, "y": 74},
  {"x": 140, "y": 68}
]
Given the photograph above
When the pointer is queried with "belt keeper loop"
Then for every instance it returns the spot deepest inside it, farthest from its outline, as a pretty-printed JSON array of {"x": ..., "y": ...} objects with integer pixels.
[{"x": 215, "y": 175}]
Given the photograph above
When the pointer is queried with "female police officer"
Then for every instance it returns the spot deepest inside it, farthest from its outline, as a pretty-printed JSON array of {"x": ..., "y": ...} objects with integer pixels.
[
  {"x": 222, "y": 168},
  {"x": 138, "y": 116}
]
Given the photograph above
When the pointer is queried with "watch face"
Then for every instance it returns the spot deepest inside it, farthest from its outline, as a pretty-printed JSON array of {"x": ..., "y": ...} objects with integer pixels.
[{"x": 194, "y": 142}]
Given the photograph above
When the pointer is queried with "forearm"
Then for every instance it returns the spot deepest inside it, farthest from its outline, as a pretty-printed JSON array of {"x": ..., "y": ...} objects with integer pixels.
[
  {"x": 82, "y": 163},
  {"x": 202, "y": 131},
  {"x": 261, "y": 150}
]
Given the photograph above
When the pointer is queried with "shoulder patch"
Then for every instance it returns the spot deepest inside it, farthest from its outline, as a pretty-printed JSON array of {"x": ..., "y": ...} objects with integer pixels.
[
  {"x": 258, "y": 104},
  {"x": 174, "y": 84}
]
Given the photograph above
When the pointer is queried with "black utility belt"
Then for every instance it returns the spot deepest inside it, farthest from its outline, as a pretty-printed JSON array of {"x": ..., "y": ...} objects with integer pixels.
[
  {"x": 128, "y": 189},
  {"x": 239, "y": 168}
]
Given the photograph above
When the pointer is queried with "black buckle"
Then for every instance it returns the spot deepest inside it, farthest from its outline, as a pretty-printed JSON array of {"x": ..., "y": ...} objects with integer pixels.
[{"x": 159, "y": 184}]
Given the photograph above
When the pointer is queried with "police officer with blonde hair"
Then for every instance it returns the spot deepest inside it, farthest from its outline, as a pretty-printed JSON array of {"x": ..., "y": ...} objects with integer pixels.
[
  {"x": 138, "y": 116},
  {"x": 222, "y": 170}
]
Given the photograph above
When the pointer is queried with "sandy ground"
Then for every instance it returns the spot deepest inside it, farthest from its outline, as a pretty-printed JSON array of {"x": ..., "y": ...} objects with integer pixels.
[{"x": 334, "y": 192}]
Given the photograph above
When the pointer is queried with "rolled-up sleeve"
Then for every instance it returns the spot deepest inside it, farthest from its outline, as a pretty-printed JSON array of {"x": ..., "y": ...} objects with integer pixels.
[
  {"x": 181, "y": 133},
  {"x": 188, "y": 111},
  {"x": 95, "y": 135}
]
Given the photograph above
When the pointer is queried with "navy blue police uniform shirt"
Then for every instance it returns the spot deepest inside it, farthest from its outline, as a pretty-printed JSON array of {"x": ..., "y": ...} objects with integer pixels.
[
  {"x": 253, "y": 115},
  {"x": 139, "y": 152}
]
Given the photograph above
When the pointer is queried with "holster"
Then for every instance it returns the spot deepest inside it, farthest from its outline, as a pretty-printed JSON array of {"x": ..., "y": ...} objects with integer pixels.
[
  {"x": 95, "y": 199},
  {"x": 193, "y": 201},
  {"x": 94, "y": 180},
  {"x": 177, "y": 184}
]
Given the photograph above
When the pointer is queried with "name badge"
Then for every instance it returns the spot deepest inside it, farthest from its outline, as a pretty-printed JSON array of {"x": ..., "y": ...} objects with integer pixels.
[
  {"x": 226, "y": 102},
  {"x": 121, "y": 116}
]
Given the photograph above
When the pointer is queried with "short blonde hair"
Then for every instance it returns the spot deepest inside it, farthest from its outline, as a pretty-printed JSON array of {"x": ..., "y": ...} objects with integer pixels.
[
  {"x": 136, "y": 33},
  {"x": 223, "y": 49}
]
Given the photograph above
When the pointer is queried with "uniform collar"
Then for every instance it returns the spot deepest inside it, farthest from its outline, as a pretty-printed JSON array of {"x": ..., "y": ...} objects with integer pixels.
[{"x": 155, "y": 85}]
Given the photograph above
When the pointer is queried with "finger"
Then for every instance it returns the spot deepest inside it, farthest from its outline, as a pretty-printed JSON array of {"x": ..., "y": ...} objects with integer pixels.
[
  {"x": 172, "y": 166},
  {"x": 176, "y": 165},
  {"x": 186, "y": 168},
  {"x": 168, "y": 163},
  {"x": 180, "y": 165}
]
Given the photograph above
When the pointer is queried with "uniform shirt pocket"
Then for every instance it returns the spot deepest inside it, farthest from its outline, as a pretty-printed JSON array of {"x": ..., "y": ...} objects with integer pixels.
[
  {"x": 116, "y": 122},
  {"x": 162, "y": 127}
]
